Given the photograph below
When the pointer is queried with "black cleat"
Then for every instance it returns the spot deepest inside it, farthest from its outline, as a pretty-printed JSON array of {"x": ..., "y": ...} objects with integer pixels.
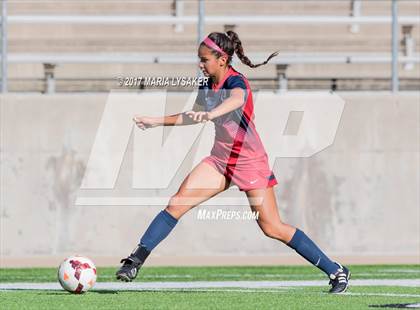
[
  {"x": 129, "y": 270},
  {"x": 340, "y": 280}
]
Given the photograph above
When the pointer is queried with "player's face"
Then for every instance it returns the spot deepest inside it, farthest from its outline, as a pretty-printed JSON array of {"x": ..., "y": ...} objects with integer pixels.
[{"x": 210, "y": 64}]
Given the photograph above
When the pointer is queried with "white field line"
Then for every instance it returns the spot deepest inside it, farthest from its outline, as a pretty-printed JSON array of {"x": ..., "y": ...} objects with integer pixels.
[
  {"x": 210, "y": 284},
  {"x": 276, "y": 291},
  {"x": 239, "y": 275},
  {"x": 383, "y": 294}
]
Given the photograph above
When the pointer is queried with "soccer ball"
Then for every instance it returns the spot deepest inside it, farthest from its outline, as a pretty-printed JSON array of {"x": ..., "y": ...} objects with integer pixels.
[{"x": 77, "y": 274}]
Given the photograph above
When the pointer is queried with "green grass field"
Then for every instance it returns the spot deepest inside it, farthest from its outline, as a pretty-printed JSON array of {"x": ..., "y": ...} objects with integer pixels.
[{"x": 316, "y": 297}]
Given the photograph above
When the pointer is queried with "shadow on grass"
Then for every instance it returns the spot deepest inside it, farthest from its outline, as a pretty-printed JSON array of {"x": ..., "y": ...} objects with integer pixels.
[
  {"x": 112, "y": 292},
  {"x": 396, "y": 306},
  {"x": 150, "y": 291}
]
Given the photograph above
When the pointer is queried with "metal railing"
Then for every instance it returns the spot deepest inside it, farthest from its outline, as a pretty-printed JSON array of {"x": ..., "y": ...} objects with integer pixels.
[
  {"x": 210, "y": 20},
  {"x": 190, "y": 58},
  {"x": 281, "y": 62},
  {"x": 3, "y": 25}
]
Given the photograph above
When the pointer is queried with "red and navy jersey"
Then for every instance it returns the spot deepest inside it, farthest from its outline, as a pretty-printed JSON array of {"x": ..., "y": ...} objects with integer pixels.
[
  {"x": 211, "y": 95},
  {"x": 236, "y": 139}
]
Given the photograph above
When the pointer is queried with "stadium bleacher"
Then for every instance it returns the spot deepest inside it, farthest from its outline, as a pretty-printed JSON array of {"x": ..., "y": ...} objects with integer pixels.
[{"x": 30, "y": 44}]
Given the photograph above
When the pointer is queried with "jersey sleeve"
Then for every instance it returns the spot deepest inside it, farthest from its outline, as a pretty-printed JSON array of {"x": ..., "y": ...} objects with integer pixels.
[{"x": 236, "y": 81}]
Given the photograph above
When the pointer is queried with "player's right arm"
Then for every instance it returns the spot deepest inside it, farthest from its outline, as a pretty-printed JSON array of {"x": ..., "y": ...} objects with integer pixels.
[{"x": 144, "y": 122}]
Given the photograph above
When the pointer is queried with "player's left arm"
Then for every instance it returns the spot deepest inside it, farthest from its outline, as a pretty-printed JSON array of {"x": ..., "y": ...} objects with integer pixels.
[{"x": 234, "y": 101}]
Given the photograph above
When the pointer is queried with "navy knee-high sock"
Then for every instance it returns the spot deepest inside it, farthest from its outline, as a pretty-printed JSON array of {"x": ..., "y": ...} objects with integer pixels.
[
  {"x": 307, "y": 248},
  {"x": 158, "y": 229}
]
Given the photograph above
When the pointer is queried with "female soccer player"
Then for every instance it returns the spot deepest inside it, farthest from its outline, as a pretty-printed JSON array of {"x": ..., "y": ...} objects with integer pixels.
[{"x": 238, "y": 157}]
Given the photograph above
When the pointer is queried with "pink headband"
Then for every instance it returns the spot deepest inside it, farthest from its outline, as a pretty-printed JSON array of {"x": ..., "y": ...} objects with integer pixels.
[{"x": 210, "y": 43}]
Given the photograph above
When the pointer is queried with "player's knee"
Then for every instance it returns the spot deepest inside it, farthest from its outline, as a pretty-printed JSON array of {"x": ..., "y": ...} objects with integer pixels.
[
  {"x": 172, "y": 202},
  {"x": 180, "y": 201},
  {"x": 178, "y": 205}
]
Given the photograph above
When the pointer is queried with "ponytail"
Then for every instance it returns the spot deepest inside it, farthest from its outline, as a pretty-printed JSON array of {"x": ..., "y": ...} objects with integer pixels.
[{"x": 237, "y": 46}]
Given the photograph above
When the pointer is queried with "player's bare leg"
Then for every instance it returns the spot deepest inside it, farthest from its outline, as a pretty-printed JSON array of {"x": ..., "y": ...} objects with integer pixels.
[
  {"x": 269, "y": 218},
  {"x": 264, "y": 202},
  {"x": 202, "y": 183}
]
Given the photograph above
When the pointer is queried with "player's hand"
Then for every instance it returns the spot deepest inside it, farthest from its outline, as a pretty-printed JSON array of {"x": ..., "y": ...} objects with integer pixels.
[
  {"x": 144, "y": 122},
  {"x": 199, "y": 117}
]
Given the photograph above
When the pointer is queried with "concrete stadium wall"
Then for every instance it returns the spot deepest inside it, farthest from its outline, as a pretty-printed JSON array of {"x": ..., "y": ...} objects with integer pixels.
[{"x": 358, "y": 199}]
